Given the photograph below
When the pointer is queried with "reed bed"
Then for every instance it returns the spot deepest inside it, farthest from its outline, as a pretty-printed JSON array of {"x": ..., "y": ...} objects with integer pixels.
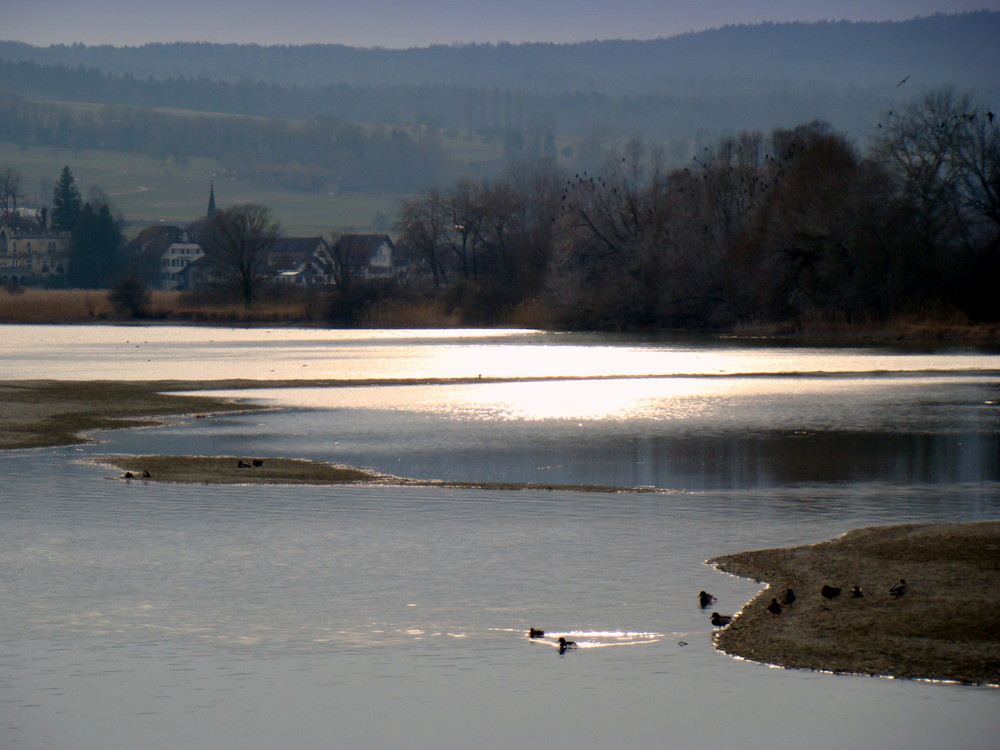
[{"x": 38, "y": 306}]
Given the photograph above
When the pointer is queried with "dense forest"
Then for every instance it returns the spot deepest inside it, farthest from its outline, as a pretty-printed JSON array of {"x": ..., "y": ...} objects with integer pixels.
[{"x": 955, "y": 48}]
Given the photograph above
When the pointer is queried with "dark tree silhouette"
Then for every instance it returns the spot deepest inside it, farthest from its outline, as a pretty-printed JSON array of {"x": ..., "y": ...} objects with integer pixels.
[{"x": 237, "y": 242}]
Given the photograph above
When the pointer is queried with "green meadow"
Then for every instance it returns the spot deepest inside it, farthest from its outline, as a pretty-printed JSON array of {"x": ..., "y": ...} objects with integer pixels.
[{"x": 148, "y": 191}]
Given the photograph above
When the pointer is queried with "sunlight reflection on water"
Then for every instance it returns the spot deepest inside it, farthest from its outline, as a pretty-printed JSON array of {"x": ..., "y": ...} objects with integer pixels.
[
  {"x": 155, "y": 616},
  {"x": 177, "y": 352}
]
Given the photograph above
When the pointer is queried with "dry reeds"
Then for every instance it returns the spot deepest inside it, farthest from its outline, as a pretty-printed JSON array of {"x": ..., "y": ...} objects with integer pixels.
[
  {"x": 39, "y": 306},
  {"x": 55, "y": 306}
]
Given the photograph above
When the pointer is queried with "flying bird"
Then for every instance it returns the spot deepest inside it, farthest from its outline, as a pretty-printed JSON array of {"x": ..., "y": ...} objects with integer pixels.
[{"x": 902, "y": 82}]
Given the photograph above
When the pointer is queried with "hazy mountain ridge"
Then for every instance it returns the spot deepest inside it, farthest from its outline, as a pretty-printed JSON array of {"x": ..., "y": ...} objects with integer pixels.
[{"x": 958, "y": 48}]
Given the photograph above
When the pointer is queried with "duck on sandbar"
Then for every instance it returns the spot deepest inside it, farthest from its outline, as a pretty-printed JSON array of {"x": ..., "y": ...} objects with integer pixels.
[
  {"x": 788, "y": 597},
  {"x": 564, "y": 645},
  {"x": 898, "y": 589},
  {"x": 774, "y": 608},
  {"x": 830, "y": 592},
  {"x": 720, "y": 621},
  {"x": 536, "y": 633},
  {"x": 705, "y": 598},
  {"x": 857, "y": 593}
]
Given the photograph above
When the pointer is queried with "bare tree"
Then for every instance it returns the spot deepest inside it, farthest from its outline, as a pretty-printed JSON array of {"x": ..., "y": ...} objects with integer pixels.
[
  {"x": 423, "y": 226},
  {"x": 239, "y": 240},
  {"x": 10, "y": 190}
]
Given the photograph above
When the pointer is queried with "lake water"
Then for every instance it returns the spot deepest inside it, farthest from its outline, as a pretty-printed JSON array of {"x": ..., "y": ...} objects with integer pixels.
[{"x": 139, "y": 615}]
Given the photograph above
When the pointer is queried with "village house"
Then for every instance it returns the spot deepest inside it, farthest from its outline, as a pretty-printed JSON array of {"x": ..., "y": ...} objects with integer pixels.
[
  {"x": 31, "y": 254},
  {"x": 159, "y": 254},
  {"x": 301, "y": 261},
  {"x": 373, "y": 256}
]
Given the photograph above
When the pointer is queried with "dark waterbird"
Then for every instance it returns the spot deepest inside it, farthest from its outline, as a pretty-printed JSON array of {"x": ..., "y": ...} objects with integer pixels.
[
  {"x": 857, "y": 593},
  {"x": 241, "y": 464},
  {"x": 774, "y": 608},
  {"x": 536, "y": 633},
  {"x": 898, "y": 589},
  {"x": 720, "y": 621},
  {"x": 258, "y": 462},
  {"x": 788, "y": 598},
  {"x": 705, "y": 598},
  {"x": 829, "y": 592},
  {"x": 564, "y": 645}
]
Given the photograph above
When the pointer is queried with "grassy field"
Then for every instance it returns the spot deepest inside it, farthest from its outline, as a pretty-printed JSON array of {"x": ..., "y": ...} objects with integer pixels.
[
  {"x": 146, "y": 191},
  {"x": 149, "y": 191}
]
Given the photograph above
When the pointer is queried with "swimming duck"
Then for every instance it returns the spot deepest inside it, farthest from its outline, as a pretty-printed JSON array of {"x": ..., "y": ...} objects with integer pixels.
[
  {"x": 720, "y": 621},
  {"x": 829, "y": 592},
  {"x": 705, "y": 598},
  {"x": 564, "y": 644},
  {"x": 898, "y": 589},
  {"x": 774, "y": 608},
  {"x": 788, "y": 598},
  {"x": 536, "y": 633}
]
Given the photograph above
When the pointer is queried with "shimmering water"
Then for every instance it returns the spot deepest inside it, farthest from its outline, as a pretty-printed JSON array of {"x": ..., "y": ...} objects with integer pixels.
[{"x": 139, "y": 615}]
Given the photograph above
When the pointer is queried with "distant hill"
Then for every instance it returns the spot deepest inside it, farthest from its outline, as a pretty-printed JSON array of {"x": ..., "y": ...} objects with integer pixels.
[
  {"x": 685, "y": 91},
  {"x": 960, "y": 49}
]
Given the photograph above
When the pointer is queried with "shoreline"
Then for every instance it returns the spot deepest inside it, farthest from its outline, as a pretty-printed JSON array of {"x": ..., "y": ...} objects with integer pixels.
[{"x": 943, "y": 629}]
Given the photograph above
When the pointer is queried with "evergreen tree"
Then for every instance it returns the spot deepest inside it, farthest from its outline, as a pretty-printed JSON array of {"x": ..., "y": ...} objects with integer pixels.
[
  {"x": 66, "y": 202},
  {"x": 94, "y": 259}
]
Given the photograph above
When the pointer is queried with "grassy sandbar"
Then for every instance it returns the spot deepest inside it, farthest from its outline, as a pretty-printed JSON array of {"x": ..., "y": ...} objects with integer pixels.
[{"x": 944, "y": 628}]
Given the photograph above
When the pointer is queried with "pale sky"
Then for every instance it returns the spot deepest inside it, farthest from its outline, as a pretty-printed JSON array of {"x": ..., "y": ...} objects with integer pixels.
[{"x": 419, "y": 23}]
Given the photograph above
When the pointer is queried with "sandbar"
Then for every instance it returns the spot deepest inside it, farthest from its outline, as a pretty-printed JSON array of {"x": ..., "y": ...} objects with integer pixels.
[{"x": 944, "y": 628}]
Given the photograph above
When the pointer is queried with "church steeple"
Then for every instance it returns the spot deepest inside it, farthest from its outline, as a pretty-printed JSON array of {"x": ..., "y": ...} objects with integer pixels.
[{"x": 211, "y": 202}]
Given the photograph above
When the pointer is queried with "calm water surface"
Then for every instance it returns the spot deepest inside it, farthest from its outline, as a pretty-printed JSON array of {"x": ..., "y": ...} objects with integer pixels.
[{"x": 138, "y": 615}]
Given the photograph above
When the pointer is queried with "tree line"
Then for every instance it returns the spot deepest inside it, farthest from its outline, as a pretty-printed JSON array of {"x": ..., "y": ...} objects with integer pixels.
[
  {"x": 691, "y": 109},
  {"x": 796, "y": 225},
  {"x": 799, "y": 225},
  {"x": 321, "y": 154},
  {"x": 937, "y": 49}
]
